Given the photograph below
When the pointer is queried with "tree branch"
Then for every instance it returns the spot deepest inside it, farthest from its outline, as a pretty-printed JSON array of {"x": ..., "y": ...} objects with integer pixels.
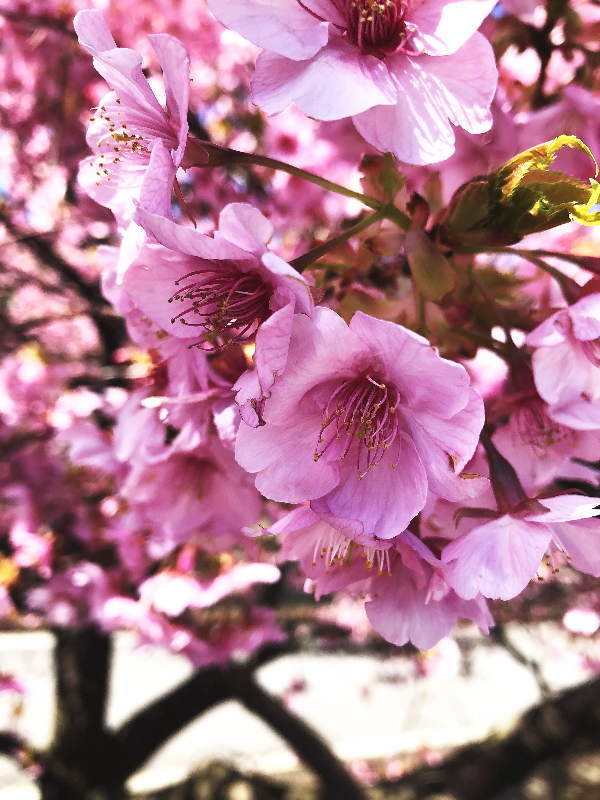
[
  {"x": 147, "y": 730},
  {"x": 568, "y": 723},
  {"x": 499, "y": 635},
  {"x": 110, "y": 327},
  {"x": 337, "y": 782}
]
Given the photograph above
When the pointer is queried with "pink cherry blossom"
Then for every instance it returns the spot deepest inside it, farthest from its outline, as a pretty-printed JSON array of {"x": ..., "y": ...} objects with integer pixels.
[
  {"x": 566, "y": 363},
  {"x": 201, "y": 495},
  {"x": 172, "y": 592},
  {"x": 207, "y": 641},
  {"x": 229, "y": 289},
  {"x": 73, "y": 597},
  {"x": 402, "y": 71},
  {"x": 130, "y": 121},
  {"x": 407, "y": 597},
  {"x": 499, "y": 557},
  {"x": 364, "y": 421}
]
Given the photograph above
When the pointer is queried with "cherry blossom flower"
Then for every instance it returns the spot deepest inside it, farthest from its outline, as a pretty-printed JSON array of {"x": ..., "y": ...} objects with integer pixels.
[
  {"x": 201, "y": 495},
  {"x": 363, "y": 422},
  {"x": 214, "y": 639},
  {"x": 402, "y": 70},
  {"x": 172, "y": 592},
  {"x": 499, "y": 557},
  {"x": 228, "y": 289},
  {"x": 130, "y": 121},
  {"x": 407, "y": 597},
  {"x": 566, "y": 363}
]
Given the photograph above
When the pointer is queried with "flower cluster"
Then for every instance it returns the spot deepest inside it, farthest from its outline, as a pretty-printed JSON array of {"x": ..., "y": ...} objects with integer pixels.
[{"x": 410, "y": 410}]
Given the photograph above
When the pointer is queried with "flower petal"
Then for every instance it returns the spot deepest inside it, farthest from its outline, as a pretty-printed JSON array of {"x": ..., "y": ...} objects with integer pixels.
[
  {"x": 445, "y": 447},
  {"x": 497, "y": 559},
  {"x": 566, "y": 508},
  {"x": 433, "y": 92},
  {"x": 246, "y": 227},
  {"x": 281, "y": 26},
  {"x": 387, "y": 498},
  {"x": 175, "y": 64},
  {"x": 338, "y": 82},
  {"x": 283, "y": 459},
  {"x": 183, "y": 239},
  {"x": 443, "y": 26},
  {"x": 426, "y": 381}
]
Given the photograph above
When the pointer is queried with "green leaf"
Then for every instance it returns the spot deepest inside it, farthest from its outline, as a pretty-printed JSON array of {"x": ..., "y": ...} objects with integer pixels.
[
  {"x": 431, "y": 271},
  {"x": 583, "y": 213},
  {"x": 522, "y": 196}
]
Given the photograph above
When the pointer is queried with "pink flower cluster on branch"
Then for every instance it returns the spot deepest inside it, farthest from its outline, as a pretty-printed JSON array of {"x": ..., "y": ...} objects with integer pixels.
[
  {"x": 410, "y": 410},
  {"x": 361, "y": 424}
]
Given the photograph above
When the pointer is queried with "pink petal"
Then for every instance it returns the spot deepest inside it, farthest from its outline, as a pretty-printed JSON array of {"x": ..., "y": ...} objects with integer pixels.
[
  {"x": 283, "y": 459},
  {"x": 581, "y": 415},
  {"x": 272, "y": 346},
  {"x": 497, "y": 559},
  {"x": 290, "y": 285},
  {"x": 581, "y": 542},
  {"x": 585, "y": 316},
  {"x": 270, "y": 358},
  {"x": 175, "y": 63},
  {"x": 399, "y": 611},
  {"x": 433, "y": 92},
  {"x": 445, "y": 447},
  {"x": 387, "y": 498},
  {"x": 338, "y": 82},
  {"x": 443, "y": 26},
  {"x": 326, "y": 9},
  {"x": 238, "y": 579},
  {"x": 551, "y": 331},
  {"x": 247, "y": 388},
  {"x": 245, "y": 226},
  {"x": 92, "y": 31},
  {"x": 281, "y": 26},
  {"x": 427, "y": 382},
  {"x": 183, "y": 239},
  {"x": 568, "y": 381},
  {"x": 150, "y": 282},
  {"x": 120, "y": 67},
  {"x": 566, "y": 508},
  {"x": 322, "y": 347},
  {"x": 157, "y": 187}
]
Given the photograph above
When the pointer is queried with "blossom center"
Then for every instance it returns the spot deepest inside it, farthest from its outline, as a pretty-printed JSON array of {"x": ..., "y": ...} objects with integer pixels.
[
  {"x": 227, "y": 304},
  {"x": 377, "y": 27},
  {"x": 536, "y": 428},
  {"x": 125, "y": 135},
  {"x": 337, "y": 551},
  {"x": 359, "y": 411}
]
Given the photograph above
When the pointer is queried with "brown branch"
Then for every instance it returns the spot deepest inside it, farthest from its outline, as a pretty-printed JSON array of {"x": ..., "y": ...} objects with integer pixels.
[
  {"x": 147, "y": 730},
  {"x": 110, "y": 327},
  {"x": 566, "y": 724},
  {"x": 39, "y": 21},
  {"x": 499, "y": 635},
  {"x": 337, "y": 782}
]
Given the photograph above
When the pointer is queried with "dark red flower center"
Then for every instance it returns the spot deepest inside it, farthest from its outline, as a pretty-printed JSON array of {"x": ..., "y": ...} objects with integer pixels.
[
  {"x": 363, "y": 411},
  {"x": 227, "y": 304},
  {"x": 376, "y": 26}
]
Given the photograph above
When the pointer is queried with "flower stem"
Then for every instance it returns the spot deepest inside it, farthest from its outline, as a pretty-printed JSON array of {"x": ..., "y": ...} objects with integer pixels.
[
  {"x": 570, "y": 289},
  {"x": 306, "y": 259},
  {"x": 206, "y": 154}
]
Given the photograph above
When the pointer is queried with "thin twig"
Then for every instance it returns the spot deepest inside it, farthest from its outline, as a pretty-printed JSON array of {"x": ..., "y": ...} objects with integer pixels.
[
  {"x": 313, "y": 255},
  {"x": 499, "y": 635}
]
